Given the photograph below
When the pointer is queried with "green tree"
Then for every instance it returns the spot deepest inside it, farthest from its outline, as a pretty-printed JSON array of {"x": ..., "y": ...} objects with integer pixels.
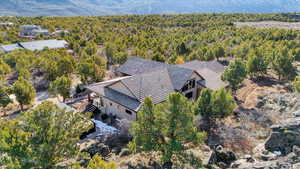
[
  {"x": 24, "y": 91},
  {"x": 178, "y": 127},
  {"x": 256, "y": 65},
  {"x": 24, "y": 73},
  {"x": 296, "y": 84},
  {"x": 158, "y": 57},
  {"x": 91, "y": 71},
  {"x": 98, "y": 163},
  {"x": 146, "y": 133},
  {"x": 41, "y": 138},
  {"x": 218, "y": 51},
  {"x": 61, "y": 86},
  {"x": 282, "y": 64},
  {"x": 4, "y": 97},
  {"x": 223, "y": 103},
  {"x": 66, "y": 65},
  {"x": 4, "y": 70},
  {"x": 214, "y": 104},
  {"x": 209, "y": 55},
  {"x": 174, "y": 123},
  {"x": 296, "y": 53},
  {"x": 120, "y": 58},
  {"x": 110, "y": 51},
  {"x": 182, "y": 49},
  {"x": 204, "y": 103},
  {"x": 235, "y": 73}
]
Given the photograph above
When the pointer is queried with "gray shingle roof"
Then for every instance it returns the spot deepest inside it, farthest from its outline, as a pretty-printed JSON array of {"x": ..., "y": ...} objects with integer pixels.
[
  {"x": 136, "y": 65},
  {"x": 157, "y": 80},
  {"x": 122, "y": 99},
  {"x": 157, "y": 85},
  {"x": 212, "y": 65},
  {"x": 111, "y": 94},
  {"x": 213, "y": 80},
  {"x": 211, "y": 71},
  {"x": 179, "y": 76}
]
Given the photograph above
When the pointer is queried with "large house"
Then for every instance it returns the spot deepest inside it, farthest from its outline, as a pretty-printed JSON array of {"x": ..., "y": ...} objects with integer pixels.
[
  {"x": 35, "y": 45},
  {"x": 140, "y": 78},
  {"x": 32, "y": 31}
]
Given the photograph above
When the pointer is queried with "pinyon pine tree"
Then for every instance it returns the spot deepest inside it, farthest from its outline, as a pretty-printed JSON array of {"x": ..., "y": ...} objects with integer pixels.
[{"x": 169, "y": 127}]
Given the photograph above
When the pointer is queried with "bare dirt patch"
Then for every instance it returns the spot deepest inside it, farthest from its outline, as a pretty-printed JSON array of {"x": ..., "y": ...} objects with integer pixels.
[{"x": 270, "y": 24}]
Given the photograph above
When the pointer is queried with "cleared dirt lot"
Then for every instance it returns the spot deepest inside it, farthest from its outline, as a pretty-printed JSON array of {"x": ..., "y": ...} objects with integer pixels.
[{"x": 270, "y": 24}]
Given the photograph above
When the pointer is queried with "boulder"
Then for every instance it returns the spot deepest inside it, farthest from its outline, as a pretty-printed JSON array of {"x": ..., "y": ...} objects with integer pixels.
[
  {"x": 285, "y": 135},
  {"x": 124, "y": 152},
  {"x": 97, "y": 148},
  {"x": 221, "y": 157}
]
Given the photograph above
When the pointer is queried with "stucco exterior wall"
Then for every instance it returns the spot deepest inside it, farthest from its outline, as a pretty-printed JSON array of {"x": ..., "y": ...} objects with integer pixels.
[{"x": 114, "y": 108}]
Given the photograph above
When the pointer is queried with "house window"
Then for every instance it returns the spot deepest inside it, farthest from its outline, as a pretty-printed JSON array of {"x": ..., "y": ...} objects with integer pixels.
[
  {"x": 110, "y": 104},
  {"x": 189, "y": 95},
  {"x": 128, "y": 112},
  {"x": 101, "y": 102},
  {"x": 189, "y": 85}
]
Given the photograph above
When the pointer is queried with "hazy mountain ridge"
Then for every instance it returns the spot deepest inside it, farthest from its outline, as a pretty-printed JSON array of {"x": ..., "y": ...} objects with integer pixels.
[{"x": 111, "y": 7}]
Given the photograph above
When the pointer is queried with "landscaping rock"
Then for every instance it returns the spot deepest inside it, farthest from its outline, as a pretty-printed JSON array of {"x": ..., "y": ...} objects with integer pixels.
[
  {"x": 221, "y": 157},
  {"x": 97, "y": 148},
  {"x": 284, "y": 136}
]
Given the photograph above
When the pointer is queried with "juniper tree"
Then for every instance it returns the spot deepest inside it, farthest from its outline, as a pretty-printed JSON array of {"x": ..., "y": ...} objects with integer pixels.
[
  {"x": 97, "y": 163},
  {"x": 256, "y": 65},
  {"x": 282, "y": 63},
  {"x": 4, "y": 70},
  {"x": 61, "y": 86},
  {"x": 24, "y": 91},
  {"x": 214, "y": 104},
  {"x": 41, "y": 138},
  {"x": 235, "y": 73},
  {"x": 223, "y": 103},
  {"x": 296, "y": 84},
  {"x": 4, "y": 97}
]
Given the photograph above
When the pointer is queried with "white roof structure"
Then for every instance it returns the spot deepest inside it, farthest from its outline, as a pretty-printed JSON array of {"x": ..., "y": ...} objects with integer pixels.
[
  {"x": 42, "y": 44},
  {"x": 35, "y": 45},
  {"x": 6, "y": 23},
  {"x": 10, "y": 48}
]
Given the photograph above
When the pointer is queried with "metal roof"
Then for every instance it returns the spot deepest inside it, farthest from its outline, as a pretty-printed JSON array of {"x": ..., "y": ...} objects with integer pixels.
[
  {"x": 35, "y": 45},
  {"x": 11, "y": 47},
  {"x": 42, "y": 44}
]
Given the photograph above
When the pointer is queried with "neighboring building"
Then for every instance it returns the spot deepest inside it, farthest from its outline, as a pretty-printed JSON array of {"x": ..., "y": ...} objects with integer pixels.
[
  {"x": 60, "y": 32},
  {"x": 32, "y": 31},
  {"x": 123, "y": 97},
  {"x": 6, "y": 24},
  {"x": 35, "y": 45}
]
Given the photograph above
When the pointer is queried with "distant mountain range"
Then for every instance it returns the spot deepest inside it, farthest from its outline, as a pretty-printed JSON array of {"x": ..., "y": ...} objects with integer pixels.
[{"x": 118, "y": 7}]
